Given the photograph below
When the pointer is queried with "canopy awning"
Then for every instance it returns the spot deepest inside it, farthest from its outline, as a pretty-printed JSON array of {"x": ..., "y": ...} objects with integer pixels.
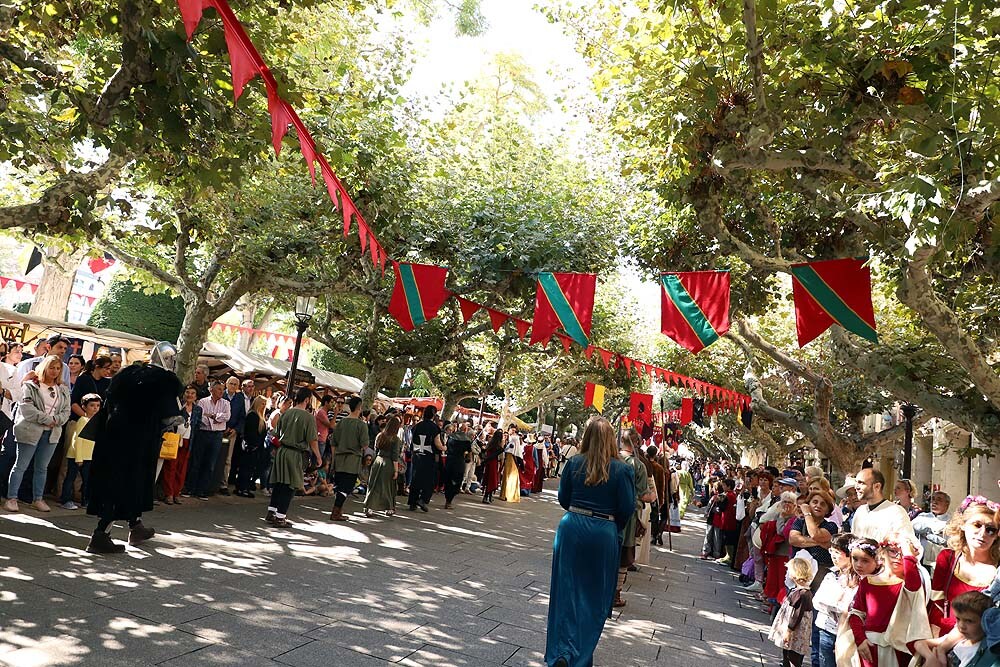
[
  {"x": 18, "y": 326},
  {"x": 218, "y": 357}
]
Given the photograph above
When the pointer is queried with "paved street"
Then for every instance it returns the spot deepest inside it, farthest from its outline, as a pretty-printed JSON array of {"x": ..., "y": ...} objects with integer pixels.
[{"x": 462, "y": 588}]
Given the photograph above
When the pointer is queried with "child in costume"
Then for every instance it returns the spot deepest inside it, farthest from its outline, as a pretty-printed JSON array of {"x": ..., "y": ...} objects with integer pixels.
[
  {"x": 889, "y": 612},
  {"x": 791, "y": 630}
]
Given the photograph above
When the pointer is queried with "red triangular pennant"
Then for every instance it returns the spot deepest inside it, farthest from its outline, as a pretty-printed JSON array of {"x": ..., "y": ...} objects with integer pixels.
[
  {"x": 522, "y": 327},
  {"x": 362, "y": 233},
  {"x": 280, "y": 119},
  {"x": 468, "y": 308},
  {"x": 566, "y": 342},
  {"x": 241, "y": 61},
  {"x": 347, "y": 208},
  {"x": 497, "y": 319},
  {"x": 308, "y": 149},
  {"x": 191, "y": 11},
  {"x": 589, "y": 352},
  {"x": 332, "y": 185},
  {"x": 605, "y": 356}
]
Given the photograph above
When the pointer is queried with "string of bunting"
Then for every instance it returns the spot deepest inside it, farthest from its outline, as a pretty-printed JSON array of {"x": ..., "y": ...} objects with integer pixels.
[
  {"x": 21, "y": 284},
  {"x": 271, "y": 336},
  {"x": 562, "y": 300}
]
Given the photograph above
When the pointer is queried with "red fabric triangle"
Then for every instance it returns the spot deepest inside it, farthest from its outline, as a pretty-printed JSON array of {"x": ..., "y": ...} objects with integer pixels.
[
  {"x": 566, "y": 342},
  {"x": 589, "y": 352},
  {"x": 347, "y": 208},
  {"x": 468, "y": 308},
  {"x": 308, "y": 149},
  {"x": 628, "y": 366},
  {"x": 497, "y": 319},
  {"x": 280, "y": 119},
  {"x": 241, "y": 60},
  {"x": 605, "y": 356},
  {"x": 362, "y": 233},
  {"x": 376, "y": 250},
  {"x": 522, "y": 327},
  {"x": 332, "y": 184},
  {"x": 191, "y": 11}
]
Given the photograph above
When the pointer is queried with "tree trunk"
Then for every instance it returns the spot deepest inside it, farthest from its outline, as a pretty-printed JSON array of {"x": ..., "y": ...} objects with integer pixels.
[
  {"x": 450, "y": 403},
  {"x": 374, "y": 378},
  {"x": 248, "y": 311},
  {"x": 194, "y": 333},
  {"x": 52, "y": 297}
]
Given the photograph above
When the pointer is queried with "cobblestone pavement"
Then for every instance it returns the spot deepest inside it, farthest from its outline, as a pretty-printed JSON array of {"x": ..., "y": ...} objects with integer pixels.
[{"x": 460, "y": 588}]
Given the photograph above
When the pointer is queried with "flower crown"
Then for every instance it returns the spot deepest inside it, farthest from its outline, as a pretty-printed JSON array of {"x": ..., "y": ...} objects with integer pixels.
[
  {"x": 979, "y": 500},
  {"x": 867, "y": 547}
]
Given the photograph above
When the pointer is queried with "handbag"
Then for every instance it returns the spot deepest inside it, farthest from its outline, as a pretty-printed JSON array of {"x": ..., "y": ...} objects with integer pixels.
[{"x": 169, "y": 445}]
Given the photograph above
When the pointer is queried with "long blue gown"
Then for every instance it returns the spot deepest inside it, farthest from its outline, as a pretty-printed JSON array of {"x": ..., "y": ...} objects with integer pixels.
[{"x": 585, "y": 558}]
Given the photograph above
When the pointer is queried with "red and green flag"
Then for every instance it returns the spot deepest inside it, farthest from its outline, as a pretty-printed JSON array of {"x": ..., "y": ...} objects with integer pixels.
[
  {"x": 418, "y": 294},
  {"x": 564, "y": 300},
  {"x": 695, "y": 307},
  {"x": 835, "y": 291}
]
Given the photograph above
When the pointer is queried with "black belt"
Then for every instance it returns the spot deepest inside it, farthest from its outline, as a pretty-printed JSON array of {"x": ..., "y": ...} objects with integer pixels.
[{"x": 586, "y": 512}]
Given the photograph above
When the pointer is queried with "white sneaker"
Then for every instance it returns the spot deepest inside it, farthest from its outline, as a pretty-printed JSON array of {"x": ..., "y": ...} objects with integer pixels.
[
  {"x": 755, "y": 587},
  {"x": 10, "y": 505},
  {"x": 41, "y": 506},
  {"x": 70, "y": 505}
]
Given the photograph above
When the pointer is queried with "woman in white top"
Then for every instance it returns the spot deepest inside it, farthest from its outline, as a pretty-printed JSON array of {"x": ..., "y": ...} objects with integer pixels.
[{"x": 41, "y": 413}]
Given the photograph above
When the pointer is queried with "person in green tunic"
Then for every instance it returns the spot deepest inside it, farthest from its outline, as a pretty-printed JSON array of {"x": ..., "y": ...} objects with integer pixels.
[
  {"x": 687, "y": 488},
  {"x": 297, "y": 432},
  {"x": 350, "y": 438},
  {"x": 382, "y": 480},
  {"x": 643, "y": 494}
]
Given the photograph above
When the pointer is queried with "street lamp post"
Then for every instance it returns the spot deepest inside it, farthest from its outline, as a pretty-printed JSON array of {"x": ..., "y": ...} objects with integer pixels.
[
  {"x": 305, "y": 306},
  {"x": 909, "y": 412}
]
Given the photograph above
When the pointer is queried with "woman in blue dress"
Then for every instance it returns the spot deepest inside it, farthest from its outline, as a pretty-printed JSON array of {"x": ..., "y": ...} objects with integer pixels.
[{"x": 597, "y": 490}]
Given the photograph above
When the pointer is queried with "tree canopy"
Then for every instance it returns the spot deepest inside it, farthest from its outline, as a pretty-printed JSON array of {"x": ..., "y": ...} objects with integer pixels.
[{"x": 784, "y": 131}]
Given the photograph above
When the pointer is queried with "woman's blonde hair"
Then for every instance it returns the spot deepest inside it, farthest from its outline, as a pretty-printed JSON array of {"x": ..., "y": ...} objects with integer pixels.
[
  {"x": 955, "y": 530},
  {"x": 44, "y": 366},
  {"x": 257, "y": 405},
  {"x": 598, "y": 448},
  {"x": 823, "y": 482},
  {"x": 800, "y": 571}
]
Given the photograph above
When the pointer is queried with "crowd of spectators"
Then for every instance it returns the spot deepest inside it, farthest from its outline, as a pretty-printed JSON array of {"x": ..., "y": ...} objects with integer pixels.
[{"x": 858, "y": 575}]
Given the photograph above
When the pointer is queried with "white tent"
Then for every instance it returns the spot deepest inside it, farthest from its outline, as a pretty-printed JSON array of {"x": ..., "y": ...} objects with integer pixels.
[{"x": 219, "y": 357}]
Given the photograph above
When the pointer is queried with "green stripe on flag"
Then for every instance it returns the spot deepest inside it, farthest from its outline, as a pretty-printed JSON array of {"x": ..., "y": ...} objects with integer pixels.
[
  {"x": 690, "y": 310},
  {"x": 831, "y": 302},
  {"x": 564, "y": 311},
  {"x": 413, "y": 302}
]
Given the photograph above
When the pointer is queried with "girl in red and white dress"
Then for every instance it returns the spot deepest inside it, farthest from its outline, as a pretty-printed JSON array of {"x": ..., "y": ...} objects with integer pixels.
[{"x": 889, "y": 613}]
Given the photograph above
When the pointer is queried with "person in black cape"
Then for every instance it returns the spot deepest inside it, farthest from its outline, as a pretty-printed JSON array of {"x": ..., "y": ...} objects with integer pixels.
[{"x": 142, "y": 403}]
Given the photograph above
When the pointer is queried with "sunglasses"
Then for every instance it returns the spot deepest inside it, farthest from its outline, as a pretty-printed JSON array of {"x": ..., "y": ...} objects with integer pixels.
[
  {"x": 977, "y": 525},
  {"x": 52, "y": 393}
]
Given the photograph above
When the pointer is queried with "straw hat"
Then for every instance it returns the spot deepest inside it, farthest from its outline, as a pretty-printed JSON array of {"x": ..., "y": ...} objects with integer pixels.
[{"x": 848, "y": 486}]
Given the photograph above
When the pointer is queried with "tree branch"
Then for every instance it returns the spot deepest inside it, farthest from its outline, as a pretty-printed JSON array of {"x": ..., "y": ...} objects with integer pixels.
[
  {"x": 917, "y": 292},
  {"x": 56, "y": 204},
  {"x": 137, "y": 262},
  {"x": 780, "y": 357},
  {"x": 782, "y": 160}
]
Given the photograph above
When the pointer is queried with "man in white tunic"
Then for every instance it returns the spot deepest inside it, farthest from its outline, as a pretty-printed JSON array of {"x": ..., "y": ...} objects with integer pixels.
[{"x": 877, "y": 518}]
